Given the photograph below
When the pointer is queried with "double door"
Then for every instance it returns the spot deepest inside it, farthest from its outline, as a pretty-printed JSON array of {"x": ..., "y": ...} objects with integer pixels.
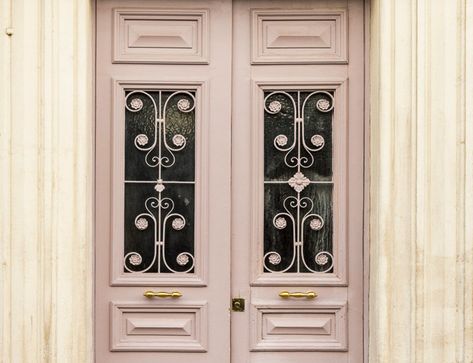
[{"x": 229, "y": 181}]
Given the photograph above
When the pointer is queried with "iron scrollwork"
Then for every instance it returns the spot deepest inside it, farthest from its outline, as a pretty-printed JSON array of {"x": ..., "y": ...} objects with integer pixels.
[
  {"x": 298, "y": 210},
  {"x": 159, "y": 210}
]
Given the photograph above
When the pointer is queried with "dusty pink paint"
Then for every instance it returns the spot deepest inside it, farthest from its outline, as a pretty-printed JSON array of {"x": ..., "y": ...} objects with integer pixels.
[{"x": 234, "y": 50}]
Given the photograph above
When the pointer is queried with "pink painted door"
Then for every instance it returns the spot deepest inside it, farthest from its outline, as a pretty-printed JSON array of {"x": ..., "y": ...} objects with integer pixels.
[
  {"x": 229, "y": 164},
  {"x": 297, "y": 181}
]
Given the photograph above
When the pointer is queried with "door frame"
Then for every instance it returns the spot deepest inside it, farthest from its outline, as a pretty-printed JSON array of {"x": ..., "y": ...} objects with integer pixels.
[
  {"x": 366, "y": 173},
  {"x": 367, "y": 176}
]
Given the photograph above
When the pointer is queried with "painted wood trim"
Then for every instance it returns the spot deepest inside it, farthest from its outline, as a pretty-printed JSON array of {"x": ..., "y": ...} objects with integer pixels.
[
  {"x": 340, "y": 167},
  {"x": 199, "y": 277},
  {"x": 197, "y": 54},
  {"x": 335, "y": 338},
  {"x": 155, "y": 315},
  {"x": 334, "y": 52}
]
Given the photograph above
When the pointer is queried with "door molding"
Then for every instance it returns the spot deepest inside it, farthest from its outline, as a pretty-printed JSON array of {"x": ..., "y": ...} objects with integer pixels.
[
  {"x": 200, "y": 277},
  {"x": 339, "y": 87}
]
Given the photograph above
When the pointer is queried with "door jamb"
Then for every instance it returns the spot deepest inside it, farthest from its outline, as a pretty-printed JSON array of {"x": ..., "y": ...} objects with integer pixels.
[{"x": 366, "y": 175}]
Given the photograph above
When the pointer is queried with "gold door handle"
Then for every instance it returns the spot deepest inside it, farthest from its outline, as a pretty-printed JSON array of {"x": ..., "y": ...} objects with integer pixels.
[
  {"x": 173, "y": 294},
  {"x": 307, "y": 295}
]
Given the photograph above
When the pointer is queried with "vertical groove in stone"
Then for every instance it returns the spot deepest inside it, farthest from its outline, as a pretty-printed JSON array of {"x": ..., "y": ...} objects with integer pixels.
[{"x": 465, "y": 341}]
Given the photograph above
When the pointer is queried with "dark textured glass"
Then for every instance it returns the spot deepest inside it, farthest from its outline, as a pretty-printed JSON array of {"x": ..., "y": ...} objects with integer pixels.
[
  {"x": 282, "y": 123},
  {"x": 281, "y": 240},
  {"x": 321, "y": 240},
  {"x": 175, "y": 241},
  {"x": 136, "y": 123},
  {"x": 159, "y": 242},
  {"x": 293, "y": 246},
  {"x": 176, "y": 122}
]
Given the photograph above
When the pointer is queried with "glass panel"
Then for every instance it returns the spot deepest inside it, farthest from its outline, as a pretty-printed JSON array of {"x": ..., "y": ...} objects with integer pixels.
[
  {"x": 281, "y": 146},
  {"x": 298, "y": 217},
  {"x": 159, "y": 185},
  {"x": 177, "y": 147}
]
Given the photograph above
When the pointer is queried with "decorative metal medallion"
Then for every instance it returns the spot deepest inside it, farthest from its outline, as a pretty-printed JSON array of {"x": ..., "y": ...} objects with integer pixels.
[
  {"x": 274, "y": 258},
  {"x": 159, "y": 223},
  {"x": 183, "y": 104},
  {"x": 317, "y": 141},
  {"x": 141, "y": 224},
  {"x": 183, "y": 258},
  {"x": 298, "y": 141},
  {"x": 136, "y": 104},
  {"x": 178, "y": 140},
  {"x": 274, "y": 106},
  {"x": 178, "y": 223},
  {"x": 324, "y": 105},
  {"x": 281, "y": 140},
  {"x": 280, "y": 223},
  {"x": 322, "y": 258},
  {"x": 159, "y": 187},
  {"x": 316, "y": 223},
  {"x": 135, "y": 259},
  {"x": 299, "y": 182}
]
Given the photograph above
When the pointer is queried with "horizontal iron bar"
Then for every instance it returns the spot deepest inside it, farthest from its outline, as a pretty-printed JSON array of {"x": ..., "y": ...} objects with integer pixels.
[{"x": 163, "y": 182}]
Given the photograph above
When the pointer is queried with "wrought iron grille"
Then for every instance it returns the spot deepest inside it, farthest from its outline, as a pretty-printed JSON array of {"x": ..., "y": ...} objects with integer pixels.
[
  {"x": 159, "y": 181},
  {"x": 298, "y": 181}
]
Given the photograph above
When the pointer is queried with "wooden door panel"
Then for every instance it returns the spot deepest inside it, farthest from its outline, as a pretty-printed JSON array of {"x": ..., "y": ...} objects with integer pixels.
[
  {"x": 299, "y": 37},
  {"x": 176, "y": 327},
  {"x": 159, "y": 35},
  {"x": 299, "y": 57},
  {"x": 298, "y": 327},
  {"x": 163, "y": 181},
  {"x": 235, "y": 83}
]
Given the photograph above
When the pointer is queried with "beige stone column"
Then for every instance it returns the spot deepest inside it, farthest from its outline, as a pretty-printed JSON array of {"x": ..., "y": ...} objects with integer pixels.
[
  {"x": 421, "y": 217},
  {"x": 46, "y": 128}
]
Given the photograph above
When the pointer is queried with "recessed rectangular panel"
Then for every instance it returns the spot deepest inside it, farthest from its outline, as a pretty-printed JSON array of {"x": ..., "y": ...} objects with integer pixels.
[
  {"x": 167, "y": 325},
  {"x": 169, "y": 35},
  {"x": 295, "y": 324},
  {"x": 319, "y": 327},
  {"x": 158, "y": 327},
  {"x": 160, "y": 36},
  {"x": 288, "y": 37},
  {"x": 303, "y": 34}
]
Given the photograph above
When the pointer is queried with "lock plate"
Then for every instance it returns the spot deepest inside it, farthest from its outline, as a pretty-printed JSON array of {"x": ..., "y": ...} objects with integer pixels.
[{"x": 238, "y": 304}]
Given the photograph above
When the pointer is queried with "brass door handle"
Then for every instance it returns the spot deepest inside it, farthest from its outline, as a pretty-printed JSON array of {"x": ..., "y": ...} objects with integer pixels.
[
  {"x": 307, "y": 295},
  {"x": 173, "y": 294}
]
